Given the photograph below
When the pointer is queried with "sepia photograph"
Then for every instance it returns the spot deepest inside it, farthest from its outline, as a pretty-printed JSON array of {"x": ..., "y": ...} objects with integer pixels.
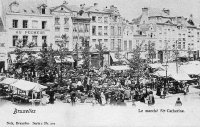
[{"x": 99, "y": 63}]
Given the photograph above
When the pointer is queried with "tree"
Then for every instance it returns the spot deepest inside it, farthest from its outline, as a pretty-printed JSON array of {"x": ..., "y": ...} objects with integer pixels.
[
  {"x": 25, "y": 61},
  {"x": 100, "y": 50},
  {"x": 86, "y": 54},
  {"x": 151, "y": 52},
  {"x": 137, "y": 64},
  {"x": 118, "y": 55},
  {"x": 63, "y": 52}
]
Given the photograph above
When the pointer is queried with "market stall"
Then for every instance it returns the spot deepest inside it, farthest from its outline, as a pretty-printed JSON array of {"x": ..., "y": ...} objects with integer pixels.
[{"x": 120, "y": 68}]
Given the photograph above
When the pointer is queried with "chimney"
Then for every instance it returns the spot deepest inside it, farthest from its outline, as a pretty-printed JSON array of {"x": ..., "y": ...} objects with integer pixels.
[
  {"x": 82, "y": 6},
  {"x": 145, "y": 10},
  {"x": 166, "y": 11},
  {"x": 112, "y": 7},
  {"x": 95, "y": 4},
  {"x": 191, "y": 17},
  {"x": 65, "y": 2}
]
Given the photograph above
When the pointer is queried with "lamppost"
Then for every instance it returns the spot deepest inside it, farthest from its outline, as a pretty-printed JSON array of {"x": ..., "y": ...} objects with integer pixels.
[{"x": 176, "y": 56}]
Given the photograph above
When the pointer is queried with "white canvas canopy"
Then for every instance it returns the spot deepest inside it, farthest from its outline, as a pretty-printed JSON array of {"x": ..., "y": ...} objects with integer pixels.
[
  {"x": 27, "y": 86},
  {"x": 191, "y": 69},
  {"x": 156, "y": 66},
  {"x": 180, "y": 76},
  {"x": 118, "y": 68},
  {"x": 8, "y": 81}
]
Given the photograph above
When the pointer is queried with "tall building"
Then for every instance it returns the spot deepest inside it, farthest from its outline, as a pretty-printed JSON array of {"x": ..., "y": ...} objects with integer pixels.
[
  {"x": 99, "y": 32},
  {"x": 168, "y": 33},
  {"x": 28, "y": 21},
  {"x": 72, "y": 22}
]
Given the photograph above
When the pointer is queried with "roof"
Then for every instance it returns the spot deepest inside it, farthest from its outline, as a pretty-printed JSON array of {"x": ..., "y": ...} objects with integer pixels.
[
  {"x": 24, "y": 6},
  {"x": 97, "y": 9},
  {"x": 137, "y": 20},
  {"x": 73, "y": 8},
  {"x": 1, "y": 25}
]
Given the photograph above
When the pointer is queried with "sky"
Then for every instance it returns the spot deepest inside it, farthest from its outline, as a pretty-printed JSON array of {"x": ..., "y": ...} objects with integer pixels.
[{"x": 130, "y": 9}]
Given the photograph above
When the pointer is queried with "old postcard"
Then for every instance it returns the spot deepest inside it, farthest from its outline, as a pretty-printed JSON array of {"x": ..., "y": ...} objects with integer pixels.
[{"x": 99, "y": 63}]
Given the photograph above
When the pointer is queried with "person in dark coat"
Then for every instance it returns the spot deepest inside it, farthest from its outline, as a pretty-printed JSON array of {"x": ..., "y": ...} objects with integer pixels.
[
  {"x": 51, "y": 94},
  {"x": 178, "y": 102},
  {"x": 73, "y": 97}
]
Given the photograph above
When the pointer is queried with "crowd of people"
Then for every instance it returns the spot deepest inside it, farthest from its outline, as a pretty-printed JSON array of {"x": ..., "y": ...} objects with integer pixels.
[{"x": 105, "y": 87}]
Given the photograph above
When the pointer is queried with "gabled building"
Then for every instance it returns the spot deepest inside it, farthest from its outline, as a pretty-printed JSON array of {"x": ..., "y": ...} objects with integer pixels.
[
  {"x": 167, "y": 32},
  {"x": 29, "y": 21}
]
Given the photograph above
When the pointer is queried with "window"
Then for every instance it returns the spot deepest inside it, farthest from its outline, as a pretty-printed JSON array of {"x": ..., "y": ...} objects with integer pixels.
[
  {"x": 87, "y": 28},
  {"x": 15, "y": 23},
  {"x": 105, "y": 19},
  {"x": 112, "y": 44},
  {"x": 57, "y": 29},
  {"x": 179, "y": 45},
  {"x": 93, "y": 30},
  {"x": 44, "y": 23},
  {"x": 34, "y": 40},
  {"x": 43, "y": 10},
  {"x": 34, "y": 24},
  {"x": 25, "y": 23},
  {"x": 119, "y": 44},
  {"x": 81, "y": 28},
  {"x": 75, "y": 39},
  {"x": 66, "y": 20},
  {"x": 75, "y": 29},
  {"x": 25, "y": 40},
  {"x": 105, "y": 30},
  {"x": 115, "y": 19},
  {"x": 100, "y": 41},
  {"x": 99, "y": 19},
  {"x": 106, "y": 40},
  {"x": 112, "y": 30},
  {"x": 44, "y": 38},
  {"x": 94, "y": 18},
  {"x": 125, "y": 45},
  {"x": 183, "y": 45},
  {"x": 119, "y": 31},
  {"x": 2, "y": 44},
  {"x": 15, "y": 38},
  {"x": 100, "y": 30},
  {"x": 66, "y": 29},
  {"x": 57, "y": 21},
  {"x": 130, "y": 45},
  {"x": 93, "y": 40}
]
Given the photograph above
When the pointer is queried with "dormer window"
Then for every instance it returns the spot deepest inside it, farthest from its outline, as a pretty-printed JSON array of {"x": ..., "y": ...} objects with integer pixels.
[
  {"x": 43, "y": 10},
  {"x": 14, "y": 7},
  {"x": 61, "y": 8}
]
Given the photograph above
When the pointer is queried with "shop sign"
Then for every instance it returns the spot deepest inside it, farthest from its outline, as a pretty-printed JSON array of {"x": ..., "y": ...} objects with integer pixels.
[{"x": 30, "y": 32}]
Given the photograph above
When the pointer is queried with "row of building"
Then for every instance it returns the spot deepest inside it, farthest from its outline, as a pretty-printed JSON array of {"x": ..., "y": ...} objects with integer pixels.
[{"x": 156, "y": 29}]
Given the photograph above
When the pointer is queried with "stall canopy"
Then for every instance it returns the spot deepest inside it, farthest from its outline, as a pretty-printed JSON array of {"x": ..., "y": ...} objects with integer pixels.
[
  {"x": 191, "y": 69},
  {"x": 180, "y": 76},
  {"x": 27, "y": 86},
  {"x": 113, "y": 57},
  {"x": 8, "y": 81},
  {"x": 118, "y": 68},
  {"x": 68, "y": 58},
  {"x": 157, "y": 66}
]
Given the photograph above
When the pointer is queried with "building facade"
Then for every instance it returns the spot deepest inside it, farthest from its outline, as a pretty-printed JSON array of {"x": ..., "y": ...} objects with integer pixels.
[
  {"x": 168, "y": 33},
  {"x": 28, "y": 21}
]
